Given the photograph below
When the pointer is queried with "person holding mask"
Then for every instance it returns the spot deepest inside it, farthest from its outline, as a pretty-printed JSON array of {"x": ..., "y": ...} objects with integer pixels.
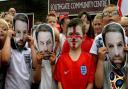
[
  {"x": 45, "y": 45},
  {"x": 112, "y": 74},
  {"x": 16, "y": 54}
]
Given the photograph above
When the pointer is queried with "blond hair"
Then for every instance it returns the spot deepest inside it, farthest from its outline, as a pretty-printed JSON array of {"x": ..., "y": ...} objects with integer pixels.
[
  {"x": 4, "y": 24},
  {"x": 98, "y": 16}
]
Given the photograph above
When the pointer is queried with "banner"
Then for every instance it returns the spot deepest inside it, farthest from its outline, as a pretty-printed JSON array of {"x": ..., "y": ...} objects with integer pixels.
[{"x": 75, "y": 6}]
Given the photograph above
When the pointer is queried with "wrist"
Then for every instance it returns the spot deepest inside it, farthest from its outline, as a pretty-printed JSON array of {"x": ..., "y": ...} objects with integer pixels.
[{"x": 52, "y": 62}]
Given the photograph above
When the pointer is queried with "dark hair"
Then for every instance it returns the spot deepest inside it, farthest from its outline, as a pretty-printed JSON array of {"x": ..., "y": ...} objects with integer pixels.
[
  {"x": 61, "y": 23},
  {"x": 113, "y": 27},
  {"x": 52, "y": 14},
  {"x": 75, "y": 22},
  {"x": 44, "y": 28},
  {"x": 22, "y": 17},
  {"x": 90, "y": 32}
]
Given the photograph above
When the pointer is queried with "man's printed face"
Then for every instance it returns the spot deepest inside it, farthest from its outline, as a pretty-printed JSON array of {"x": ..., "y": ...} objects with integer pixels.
[
  {"x": 74, "y": 36},
  {"x": 21, "y": 30},
  {"x": 115, "y": 44},
  {"x": 45, "y": 42}
]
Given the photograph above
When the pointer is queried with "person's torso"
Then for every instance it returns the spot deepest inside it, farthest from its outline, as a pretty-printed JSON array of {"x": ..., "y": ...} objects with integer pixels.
[
  {"x": 75, "y": 75},
  {"x": 19, "y": 71}
]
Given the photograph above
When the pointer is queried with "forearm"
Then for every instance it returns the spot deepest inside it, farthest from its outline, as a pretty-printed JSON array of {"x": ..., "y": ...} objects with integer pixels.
[
  {"x": 53, "y": 69},
  {"x": 59, "y": 85},
  {"x": 99, "y": 75},
  {"x": 34, "y": 60},
  {"x": 6, "y": 51},
  {"x": 90, "y": 86},
  {"x": 37, "y": 74}
]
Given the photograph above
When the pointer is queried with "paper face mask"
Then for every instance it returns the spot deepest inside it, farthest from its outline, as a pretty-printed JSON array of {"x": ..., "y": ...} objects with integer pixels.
[
  {"x": 45, "y": 39},
  {"x": 114, "y": 40},
  {"x": 20, "y": 23}
]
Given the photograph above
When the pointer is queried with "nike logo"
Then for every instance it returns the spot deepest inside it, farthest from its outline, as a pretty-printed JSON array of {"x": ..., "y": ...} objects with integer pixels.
[{"x": 66, "y": 72}]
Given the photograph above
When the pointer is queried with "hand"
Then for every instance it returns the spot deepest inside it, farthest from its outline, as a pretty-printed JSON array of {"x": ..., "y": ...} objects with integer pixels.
[
  {"x": 102, "y": 53},
  {"x": 126, "y": 48},
  {"x": 11, "y": 33},
  {"x": 52, "y": 58},
  {"x": 30, "y": 40},
  {"x": 39, "y": 57}
]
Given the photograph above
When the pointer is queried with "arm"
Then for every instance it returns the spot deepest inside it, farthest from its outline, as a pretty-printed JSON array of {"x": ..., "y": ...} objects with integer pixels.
[
  {"x": 30, "y": 41},
  {"x": 99, "y": 75},
  {"x": 52, "y": 62},
  {"x": 6, "y": 50},
  {"x": 37, "y": 74},
  {"x": 95, "y": 58},
  {"x": 59, "y": 85},
  {"x": 37, "y": 71},
  {"x": 90, "y": 86}
]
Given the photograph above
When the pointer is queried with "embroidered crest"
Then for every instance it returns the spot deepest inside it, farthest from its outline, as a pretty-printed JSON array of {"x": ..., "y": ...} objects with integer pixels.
[{"x": 83, "y": 70}]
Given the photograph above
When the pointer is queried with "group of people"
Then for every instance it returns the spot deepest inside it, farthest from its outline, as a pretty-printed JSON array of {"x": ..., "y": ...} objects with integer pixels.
[{"x": 78, "y": 53}]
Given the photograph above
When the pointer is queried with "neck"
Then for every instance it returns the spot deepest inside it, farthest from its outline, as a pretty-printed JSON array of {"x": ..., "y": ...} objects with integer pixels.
[{"x": 75, "y": 53}]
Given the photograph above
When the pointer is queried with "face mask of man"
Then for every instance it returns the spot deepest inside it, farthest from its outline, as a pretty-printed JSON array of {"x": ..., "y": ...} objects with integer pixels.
[{"x": 21, "y": 31}]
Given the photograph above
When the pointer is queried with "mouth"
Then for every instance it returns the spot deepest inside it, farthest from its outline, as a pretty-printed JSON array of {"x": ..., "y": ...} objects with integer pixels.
[
  {"x": 117, "y": 60},
  {"x": 1, "y": 34}
]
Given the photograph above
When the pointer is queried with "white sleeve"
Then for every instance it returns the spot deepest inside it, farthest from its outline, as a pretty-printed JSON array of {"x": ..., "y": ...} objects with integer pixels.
[
  {"x": 94, "y": 49},
  {"x": 97, "y": 43}
]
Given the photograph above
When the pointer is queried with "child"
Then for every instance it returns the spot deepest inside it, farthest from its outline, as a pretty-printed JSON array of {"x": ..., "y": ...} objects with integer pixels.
[
  {"x": 75, "y": 69},
  {"x": 3, "y": 33},
  {"x": 45, "y": 43},
  {"x": 17, "y": 55},
  {"x": 111, "y": 74}
]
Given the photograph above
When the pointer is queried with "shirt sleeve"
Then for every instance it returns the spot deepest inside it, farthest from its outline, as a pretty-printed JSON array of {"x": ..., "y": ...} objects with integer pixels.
[{"x": 94, "y": 49}]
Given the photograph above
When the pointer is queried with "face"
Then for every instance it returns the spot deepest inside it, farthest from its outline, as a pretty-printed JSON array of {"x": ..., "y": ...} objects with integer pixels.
[
  {"x": 66, "y": 21},
  {"x": 12, "y": 11},
  {"x": 9, "y": 19},
  {"x": 45, "y": 42},
  {"x": 115, "y": 47},
  {"x": 110, "y": 14},
  {"x": 3, "y": 30},
  {"x": 74, "y": 36},
  {"x": 21, "y": 31},
  {"x": 97, "y": 25},
  {"x": 124, "y": 23},
  {"x": 52, "y": 21},
  {"x": 85, "y": 22}
]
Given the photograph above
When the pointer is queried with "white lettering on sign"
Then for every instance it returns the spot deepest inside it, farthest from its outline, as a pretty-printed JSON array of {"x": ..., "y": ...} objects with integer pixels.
[{"x": 78, "y": 5}]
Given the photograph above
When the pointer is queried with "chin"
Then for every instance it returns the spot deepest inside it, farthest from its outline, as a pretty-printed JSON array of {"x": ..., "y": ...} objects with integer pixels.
[{"x": 21, "y": 44}]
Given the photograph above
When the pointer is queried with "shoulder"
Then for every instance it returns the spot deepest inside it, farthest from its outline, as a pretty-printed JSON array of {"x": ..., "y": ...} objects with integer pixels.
[
  {"x": 87, "y": 56},
  {"x": 62, "y": 57}
]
